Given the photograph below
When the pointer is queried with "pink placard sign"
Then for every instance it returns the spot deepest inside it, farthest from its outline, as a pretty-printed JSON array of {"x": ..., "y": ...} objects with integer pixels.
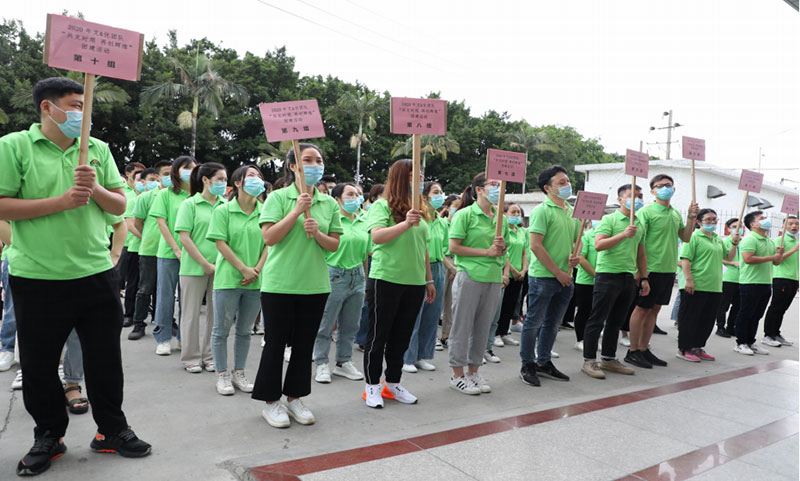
[
  {"x": 694, "y": 148},
  {"x": 751, "y": 181},
  {"x": 419, "y": 116},
  {"x": 75, "y": 44},
  {"x": 506, "y": 165},
  {"x": 636, "y": 163},
  {"x": 590, "y": 205},
  {"x": 293, "y": 120},
  {"x": 789, "y": 204}
]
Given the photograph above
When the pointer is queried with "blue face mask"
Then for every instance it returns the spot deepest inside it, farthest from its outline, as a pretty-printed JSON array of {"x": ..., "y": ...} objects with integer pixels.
[
  {"x": 741, "y": 231},
  {"x": 411, "y": 187},
  {"x": 637, "y": 204},
  {"x": 791, "y": 234},
  {"x": 765, "y": 224},
  {"x": 494, "y": 194},
  {"x": 514, "y": 220},
  {"x": 360, "y": 199},
  {"x": 254, "y": 186},
  {"x": 595, "y": 223},
  {"x": 366, "y": 207},
  {"x": 665, "y": 193},
  {"x": 709, "y": 227},
  {"x": 351, "y": 205},
  {"x": 139, "y": 186},
  {"x": 313, "y": 173},
  {"x": 72, "y": 126},
  {"x": 565, "y": 192},
  {"x": 186, "y": 174},
  {"x": 152, "y": 185},
  {"x": 218, "y": 188},
  {"x": 437, "y": 200},
  {"x": 452, "y": 212},
  {"x": 166, "y": 181}
]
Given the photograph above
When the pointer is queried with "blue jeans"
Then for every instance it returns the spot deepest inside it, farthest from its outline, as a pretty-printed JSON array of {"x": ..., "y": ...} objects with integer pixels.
[
  {"x": 423, "y": 337},
  {"x": 73, "y": 359},
  {"x": 675, "y": 308},
  {"x": 344, "y": 304},
  {"x": 9, "y": 329},
  {"x": 165, "y": 299},
  {"x": 495, "y": 322},
  {"x": 243, "y": 305},
  {"x": 547, "y": 302}
]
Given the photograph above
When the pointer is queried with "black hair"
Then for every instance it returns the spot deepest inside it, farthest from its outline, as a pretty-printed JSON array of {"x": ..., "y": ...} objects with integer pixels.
[
  {"x": 52, "y": 89},
  {"x": 703, "y": 212},
  {"x": 175, "y": 170},
  {"x": 326, "y": 178},
  {"x": 470, "y": 196},
  {"x": 149, "y": 171},
  {"x": 427, "y": 186},
  {"x": 375, "y": 192},
  {"x": 239, "y": 176},
  {"x": 209, "y": 169},
  {"x": 661, "y": 177},
  {"x": 338, "y": 191},
  {"x": 133, "y": 166},
  {"x": 625, "y": 187},
  {"x": 731, "y": 221},
  {"x": 162, "y": 163},
  {"x": 288, "y": 175},
  {"x": 749, "y": 218},
  {"x": 793, "y": 216},
  {"x": 267, "y": 186},
  {"x": 322, "y": 185},
  {"x": 507, "y": 205},
  {"x": 138, "y": 172},
  {"x": 549, "y": 173}
]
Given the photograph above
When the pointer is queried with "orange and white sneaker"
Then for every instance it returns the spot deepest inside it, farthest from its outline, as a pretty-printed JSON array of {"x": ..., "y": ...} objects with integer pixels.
[
  {"x": 398, "y": 393},
  {"x": 372, "y": 396}
]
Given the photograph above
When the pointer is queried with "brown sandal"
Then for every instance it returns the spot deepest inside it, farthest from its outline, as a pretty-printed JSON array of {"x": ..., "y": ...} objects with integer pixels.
[{"x": 73, "y": 404}]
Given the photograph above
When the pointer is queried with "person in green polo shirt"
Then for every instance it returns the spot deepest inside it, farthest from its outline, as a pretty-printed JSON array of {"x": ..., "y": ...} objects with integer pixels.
[
  {"x": 241, "y": 255},
  {"x": 129, "y": 189},
  {"x": 148, "y": 247},
  {"x": 584, "y": 282},
  {"x": 518, "y": 244},
  {"x": 165, "y": 210},
  {"x": 730, "y": 284},
  {"x": 61, "y": 272},
  {"x": 346, "y": 271},
  {"x": 130, "y": 252},
  {"x": 701, "y": 262},
  {"x": 207, "y": 184},
  {"x": 784, "y": 287},
  {"x": 295, "y": 284},
  {"x": 759, "y": 254}
]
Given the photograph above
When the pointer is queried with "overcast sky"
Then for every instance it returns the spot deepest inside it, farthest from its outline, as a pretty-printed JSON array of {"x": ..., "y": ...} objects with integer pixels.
[{"x": 729, "y": 69}]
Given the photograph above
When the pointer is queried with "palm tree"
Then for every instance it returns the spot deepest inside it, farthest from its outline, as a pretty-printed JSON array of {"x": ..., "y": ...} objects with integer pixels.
[
  {"x": 363, "y": 107},
  {"x": 203, "y": 84},
  {"x": 274, "y": 156},
  {"x": 104, "y": 92},
  {"x": 526, "y": 140},
  {"x": 430, "y": 144},
  {"x": 3, "y": 117}
]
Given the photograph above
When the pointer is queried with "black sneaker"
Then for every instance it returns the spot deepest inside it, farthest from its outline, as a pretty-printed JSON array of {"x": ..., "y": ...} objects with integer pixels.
[
  {"x": 636, "y": 358},
  {"x": 722, "y": 332},
  {"x": 652, "y": 359},
  {"x": 127, "y": 322},
  {"x": 549, "y": 370},
  {"x": 528, "y": 375},
  {"x": 175, "y": 328},
  {"x": 443, "y": 341},
  {"x": 137, "y": 332},
  {"x": 124, "y": 443},
  {"x": 657, "y": 330},
  {"x": 45, "y": 449}
]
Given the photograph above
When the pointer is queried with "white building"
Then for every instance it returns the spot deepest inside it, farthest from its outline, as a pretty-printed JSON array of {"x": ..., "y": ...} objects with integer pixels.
[{"x": 717, "y": 188}]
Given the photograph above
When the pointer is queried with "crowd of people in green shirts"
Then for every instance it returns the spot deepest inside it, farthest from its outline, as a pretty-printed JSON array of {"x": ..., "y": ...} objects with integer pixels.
[{"x": 309, "y": 266}]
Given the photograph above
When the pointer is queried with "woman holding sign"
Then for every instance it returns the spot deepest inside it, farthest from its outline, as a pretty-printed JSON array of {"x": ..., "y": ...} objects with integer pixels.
[
  {"x": 519, "y": 243},
  {"x": 299, "y": 228},
  {"x": 402, "y": 273}
]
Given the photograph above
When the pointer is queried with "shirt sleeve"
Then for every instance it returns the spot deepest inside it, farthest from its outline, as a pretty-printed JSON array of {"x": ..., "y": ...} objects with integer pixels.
[
  {"x": 335, "y": 225},
  {"x": 539, "y": 220},
  {"x": 218, "y": 227},
  {"x": 129, "y": 206},
  {"x": 604, "y": 227},
  {"x": 10, "y": 171},
  {"x": 458, "y": 228},
  {"x": 379, "y": 216},
  {"x": 184, "y": 222},
  {"x": 159, "y": 206},
  {"x": 272, "y": 211},
  {"x": 747, "y": 245},
  {"x": 111, "y": 177},
  {"x": 688, "y": 250}
]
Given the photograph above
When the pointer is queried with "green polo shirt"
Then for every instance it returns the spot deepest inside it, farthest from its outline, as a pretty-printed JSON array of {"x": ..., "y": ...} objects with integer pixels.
[
  {"x": 705, "y": 253},
  {"x": 760, "y": 246},
  {"x": 559, "y": 229},
  {"x": 590, "y": 253},
  {"x": 133, "y": 243},
  {"x": 789, "y": 267},
  {"x": 401, "y": 260},
  {"x": 622, "y": 257},
  {"x": 150, "y": 233},
  {"x": 296, "y": 264},
  {"x": 476, "y": 230},
  {"x": 66, "y": 245},
  {"x": 242, "y": 233},
  {"x": 518, "y": 242},
  {"x": 130, "y": 199},
  {"x": 353, "y": 243},
  {"x": 661, "y": 239},
  {"x": 731, "y": 273},
  {"x": 193, "y": 217},
  {"x": 438, "y": 238},
  {"x": 166, "y": 205}
]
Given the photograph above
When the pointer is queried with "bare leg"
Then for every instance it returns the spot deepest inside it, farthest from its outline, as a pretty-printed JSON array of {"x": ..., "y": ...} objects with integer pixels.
[
  {"x": 649, "y": 324},
  {"x": 638, "y": 321}
]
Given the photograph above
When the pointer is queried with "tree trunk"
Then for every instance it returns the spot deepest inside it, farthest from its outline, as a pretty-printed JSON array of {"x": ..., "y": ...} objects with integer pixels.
[
  {"x": 194, "y": 126},
  {"x": 358, "y": 152}
]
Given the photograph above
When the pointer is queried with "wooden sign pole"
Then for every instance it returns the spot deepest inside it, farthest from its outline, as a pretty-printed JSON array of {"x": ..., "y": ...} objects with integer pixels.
[
  {"x": 300, "y": 177},
  {"x": 498, "y": 231},
  {"x": 633, "y": 197},
  {"x": 580, "y": 237},
  {"x": 785, "y": 226},
  {"x": 415, "y": 197},
  {"x": 86, "y": 124},
  {"x": 741, "y": 212},
  {"x": 694, "y": 191}
]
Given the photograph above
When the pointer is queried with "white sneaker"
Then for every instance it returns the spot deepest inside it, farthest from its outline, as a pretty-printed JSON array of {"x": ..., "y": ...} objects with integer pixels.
[
  {"x": 400, "y": 394},
  {"x": 323, "y": 374},
  {"x": 6, "y": 360},
  {"x": 743, "y": 349},
  {"x": 61, "y": 374},
  {"x": 275, "y": 415},
  {"x": 287, "y": 354},
  {"x": 758, "y": 350},
  {"x": 263, "y": 342},
  {"x": 498, "y": 342},
  {"x": 425, "y": 365},
  {"x": 409, "y": 368},
  {"x": 240, "y": 382},
  {"x": 783, "y": 341},
  {"x": 578, "y": 346},
  {"x": 374, "y": 398},
  {"x": 439, "y": 345},
  {"x": 210, "y": 366},
  {"x": 193, "y": 368},
  {"x": 554, "y": 355},
  {"x": 163, "y": 349},
  {"x": 480, "y": 383},
  {"x": 348, "y": 370},
  {"x": 178, "y": 345},
  {"x": 299, "y": 412},
  {"x": 224, "y": 385},
  {"x": 516, "y": 327},
  {"x": 510, "y": 341},
  {"x": 16, "y": 384},
  {"x": 490, "y": 356},
  {"x": 771, "y": 341},
  {"x": 625, "y": 341},
  {"x": 464, "y": 385}
]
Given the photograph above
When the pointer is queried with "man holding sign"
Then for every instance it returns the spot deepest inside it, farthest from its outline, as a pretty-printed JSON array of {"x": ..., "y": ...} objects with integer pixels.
[
  {"x": 784, "y": 285},
  {"x": 58, "y": 219}
]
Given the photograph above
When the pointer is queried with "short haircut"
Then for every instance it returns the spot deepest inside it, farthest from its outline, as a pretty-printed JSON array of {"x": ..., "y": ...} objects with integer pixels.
[
  {"x": 133, "y": 166},
  {"x": 338, "y": 191},
  {"x": 52, "y": 89},
  {"x": 793, "y": 217},
  {"x": 625, "y": 187},
  {"x": 661, "y": 177},
  {"x": 749, "y": 218},
  {"x": 731, "y": 221},
  {"x": 703, "y": 212},
  {"x": 149, "y": 171},
  {"x": 162, "y": 163},
  {"x": 548, "y": 173}
]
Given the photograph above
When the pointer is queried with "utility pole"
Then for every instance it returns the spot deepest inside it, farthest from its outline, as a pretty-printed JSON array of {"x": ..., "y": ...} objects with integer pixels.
[{"x": 669, "y": 133}]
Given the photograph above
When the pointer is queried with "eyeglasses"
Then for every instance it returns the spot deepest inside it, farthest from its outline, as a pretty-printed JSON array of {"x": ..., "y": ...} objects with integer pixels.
[
  {"x": 658, "y": 186},
  {"x": 712, "y": 220},
  {"x": 492, "y": 184}
]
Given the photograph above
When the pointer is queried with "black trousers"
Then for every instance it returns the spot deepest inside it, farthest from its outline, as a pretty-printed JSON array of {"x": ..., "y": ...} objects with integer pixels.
[
  {"x": 509, "y": 305},
  {"x": 131, "y": 283},
  {"x": 47, "y": 311},
  {"x": 783, "y": 292},
  {"x": 583, "y": 303},
  {"x": 148, "y": 273},
  {"x": 696, "y": 316},
  {"x": 612, "y": 297},
  {"x": 396, "y": 308},
  {"x": 122, "y": 266},
  {"x": 288, "y": 318},
  {"x": 729, "y": 299},
  {"x": 753, "y": 302}
]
